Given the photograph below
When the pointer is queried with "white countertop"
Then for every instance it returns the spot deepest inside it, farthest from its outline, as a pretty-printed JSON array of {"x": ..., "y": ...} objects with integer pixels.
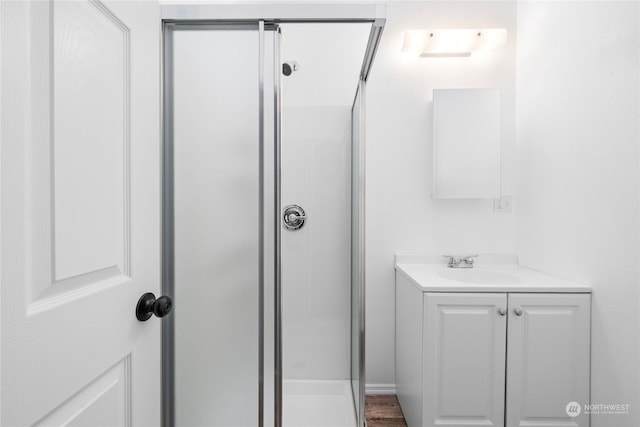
[{"x": 491, "y": 273}]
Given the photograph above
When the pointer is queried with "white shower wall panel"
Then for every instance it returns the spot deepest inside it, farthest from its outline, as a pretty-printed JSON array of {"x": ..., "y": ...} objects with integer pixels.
[{"x": 316, "y": 168}]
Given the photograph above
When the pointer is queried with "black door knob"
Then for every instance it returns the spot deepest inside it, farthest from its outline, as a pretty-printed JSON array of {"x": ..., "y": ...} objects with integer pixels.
[{"x": 148, "y": 305}]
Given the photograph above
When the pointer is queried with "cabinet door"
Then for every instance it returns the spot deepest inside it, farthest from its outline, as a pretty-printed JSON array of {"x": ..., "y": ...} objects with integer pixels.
[
  {"x": 548, "y": 359},
  {"x": 464, "y": 359}
]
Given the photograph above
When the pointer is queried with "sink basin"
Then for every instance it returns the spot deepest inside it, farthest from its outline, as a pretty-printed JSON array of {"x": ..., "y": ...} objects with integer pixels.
[{"x": 470, "y": 275}]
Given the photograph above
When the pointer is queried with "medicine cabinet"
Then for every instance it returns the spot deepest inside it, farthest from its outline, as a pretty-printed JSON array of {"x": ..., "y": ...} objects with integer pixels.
[{"x": 466, "y": 143}]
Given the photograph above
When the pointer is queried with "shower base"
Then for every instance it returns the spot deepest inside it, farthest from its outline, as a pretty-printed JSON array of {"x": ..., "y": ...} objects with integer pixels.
[{"x": 315, "y": 403}]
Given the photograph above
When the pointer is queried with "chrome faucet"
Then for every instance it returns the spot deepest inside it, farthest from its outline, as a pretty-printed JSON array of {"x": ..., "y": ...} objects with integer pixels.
[{"x": 463, "y": 262}]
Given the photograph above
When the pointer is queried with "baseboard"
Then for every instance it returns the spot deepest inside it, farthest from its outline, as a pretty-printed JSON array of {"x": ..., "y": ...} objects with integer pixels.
[{"x": 380, "y": 389}]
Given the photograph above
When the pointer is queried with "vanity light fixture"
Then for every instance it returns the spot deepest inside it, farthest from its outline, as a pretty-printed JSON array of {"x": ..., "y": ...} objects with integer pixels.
[{"x": 451, "y": 43}]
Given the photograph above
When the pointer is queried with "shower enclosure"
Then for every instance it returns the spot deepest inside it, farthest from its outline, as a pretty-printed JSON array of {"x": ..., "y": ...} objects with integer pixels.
[{"x": 263, "y": 235}]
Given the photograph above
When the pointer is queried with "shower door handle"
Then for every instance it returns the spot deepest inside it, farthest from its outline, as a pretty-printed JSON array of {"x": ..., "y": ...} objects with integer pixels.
[{"x": 148, "y": 305}]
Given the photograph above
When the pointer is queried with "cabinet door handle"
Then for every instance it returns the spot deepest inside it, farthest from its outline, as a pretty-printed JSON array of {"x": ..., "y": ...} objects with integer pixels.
[
  {"x": 502, "y": 311},
  {"x": 517, "y": 311}
]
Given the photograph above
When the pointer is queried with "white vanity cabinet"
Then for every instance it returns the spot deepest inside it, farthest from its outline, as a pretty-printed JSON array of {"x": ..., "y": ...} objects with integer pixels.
[{"x": 495, "y": 357}]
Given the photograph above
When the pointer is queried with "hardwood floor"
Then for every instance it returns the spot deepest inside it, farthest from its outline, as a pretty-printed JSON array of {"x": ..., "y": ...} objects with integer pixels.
[{"x": 383, "y": 411}]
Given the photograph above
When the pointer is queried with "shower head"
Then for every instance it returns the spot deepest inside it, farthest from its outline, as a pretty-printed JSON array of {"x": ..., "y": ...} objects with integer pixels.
[{"x": 290, "y": 67}]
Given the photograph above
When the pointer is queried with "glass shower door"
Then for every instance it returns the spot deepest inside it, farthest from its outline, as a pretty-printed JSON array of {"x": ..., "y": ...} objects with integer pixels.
[
  {"x": 357, "y": 252},
  {"x": 214, "y": 235}
]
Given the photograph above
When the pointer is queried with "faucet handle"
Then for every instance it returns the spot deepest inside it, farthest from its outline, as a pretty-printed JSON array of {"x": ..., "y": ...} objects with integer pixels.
[
  {"x": 469, "y": 259},
  {"x": 453, "y": 262}
]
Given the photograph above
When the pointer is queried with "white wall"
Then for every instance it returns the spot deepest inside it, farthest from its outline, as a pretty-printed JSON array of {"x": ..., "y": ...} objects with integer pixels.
[
  {"x": 401, "y": 215},
  {"x": 578, "y": 175}
]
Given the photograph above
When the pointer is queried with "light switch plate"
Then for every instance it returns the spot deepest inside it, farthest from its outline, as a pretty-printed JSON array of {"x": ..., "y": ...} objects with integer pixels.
[{"x": 503, "y": 204}]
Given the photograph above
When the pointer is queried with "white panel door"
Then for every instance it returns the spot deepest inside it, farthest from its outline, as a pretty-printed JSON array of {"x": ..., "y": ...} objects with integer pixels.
[
  {"x": 80, "y": 208},
  {"x": 464, "y": 359},
  {"x": 548, "y": 363}
]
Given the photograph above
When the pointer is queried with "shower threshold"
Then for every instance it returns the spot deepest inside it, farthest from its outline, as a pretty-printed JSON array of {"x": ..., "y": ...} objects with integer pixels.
[{"x": 318, "y": 403}]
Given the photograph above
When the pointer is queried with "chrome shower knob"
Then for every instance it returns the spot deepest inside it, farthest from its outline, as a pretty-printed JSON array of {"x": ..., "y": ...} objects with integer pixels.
[{"x": 293, "y": 217}]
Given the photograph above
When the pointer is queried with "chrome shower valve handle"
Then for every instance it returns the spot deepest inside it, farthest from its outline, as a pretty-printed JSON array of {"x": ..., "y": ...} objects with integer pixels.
[{"x": 293, "y": 217}]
